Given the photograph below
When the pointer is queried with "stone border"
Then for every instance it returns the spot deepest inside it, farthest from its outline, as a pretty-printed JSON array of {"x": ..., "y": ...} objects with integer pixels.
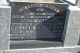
[
  {"x": 5, "y": 20},
  {"x": 72, "y": 26},
  {"x": 71, "y": 49}
]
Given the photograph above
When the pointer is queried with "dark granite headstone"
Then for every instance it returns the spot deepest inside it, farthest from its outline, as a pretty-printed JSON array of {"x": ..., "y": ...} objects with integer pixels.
[{"x": 37, "y": 21}]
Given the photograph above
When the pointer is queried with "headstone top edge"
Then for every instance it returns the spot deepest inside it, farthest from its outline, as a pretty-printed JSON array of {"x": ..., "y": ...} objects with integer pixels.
[
  {"x": 31, "y": 1},
  {"x": 41, "y": 3}
]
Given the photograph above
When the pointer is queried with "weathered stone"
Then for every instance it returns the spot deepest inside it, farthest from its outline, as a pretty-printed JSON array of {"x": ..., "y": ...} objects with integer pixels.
[
  {"x": 72, "y": 26},
  {"x": 5, "y": 17},
  {"x": 73, "y": 49}
]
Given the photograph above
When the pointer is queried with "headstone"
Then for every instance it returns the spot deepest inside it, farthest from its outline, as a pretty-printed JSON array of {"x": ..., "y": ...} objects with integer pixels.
[
  {"x": 38, "y": 21},
  {"x": 5, "y": 18},
  {"x": 72, "y": 26}
]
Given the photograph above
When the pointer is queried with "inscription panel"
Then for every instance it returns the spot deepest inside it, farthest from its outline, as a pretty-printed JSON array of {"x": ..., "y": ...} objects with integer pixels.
[{"x": 37, "y": 21}]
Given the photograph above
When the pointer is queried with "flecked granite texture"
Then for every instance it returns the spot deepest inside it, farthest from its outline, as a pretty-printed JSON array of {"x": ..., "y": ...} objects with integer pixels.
[
  {"x": 72, "y": 26},
  {"x": 5, "y": 17},
  {"x": 72, "y": 49},
  {"x": 71, "y": 38}
]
